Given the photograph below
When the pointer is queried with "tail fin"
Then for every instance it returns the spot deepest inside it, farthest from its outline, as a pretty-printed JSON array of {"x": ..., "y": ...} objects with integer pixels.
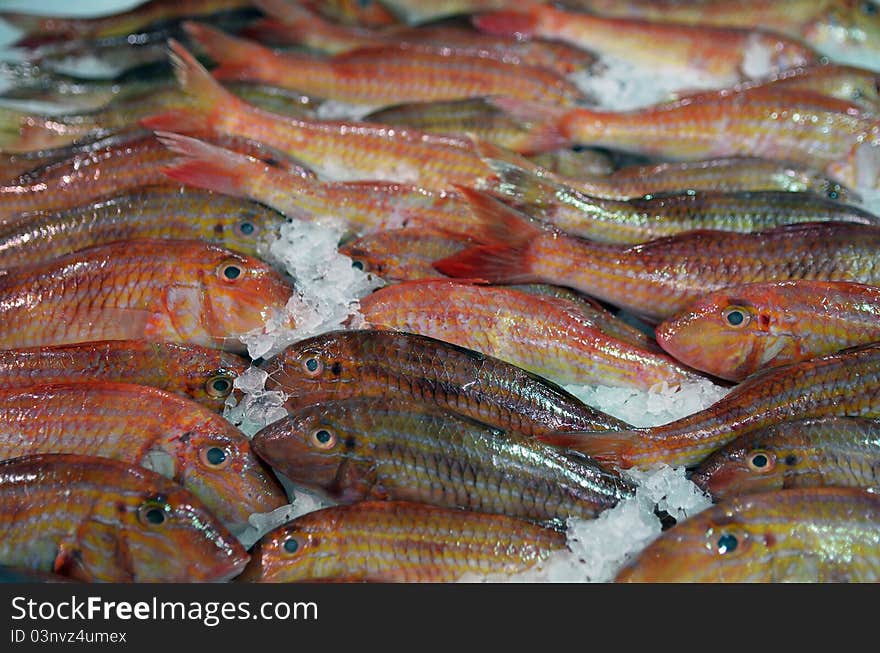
[
  {"x": 531, "y": 112},
  {"x": 607, "y": 447},
  {"x": 209, "y": 100},
  {"x": 503, "y": 262},
  {"x": 520, "y": 181},
  {"x": 236, "y": 58},
  {"x": 506, "y": 23}
]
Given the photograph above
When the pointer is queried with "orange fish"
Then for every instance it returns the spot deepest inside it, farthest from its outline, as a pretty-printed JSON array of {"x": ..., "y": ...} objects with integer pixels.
[{"x": 172, "y": 290}]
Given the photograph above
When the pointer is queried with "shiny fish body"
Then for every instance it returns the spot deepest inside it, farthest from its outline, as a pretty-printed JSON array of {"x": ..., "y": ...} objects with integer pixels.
[
  {"x": 369, "y": 363},
  {"x": 660, "y": 278},
  {"x": 735, "y": 332},
  {"x": 550, "y": 337},
  {"x": 395, "y": 541},
  {"x": 139, "y": 425},
  {"x": 378, "y": 448},
  {"x": 96, "y": 519},
  {"x": 378, "y": 76},
  {"x": 167, "y": 290},
  {"x": 815, "y": 535},
  {"x": 823, "y": 452},
  {"x": 842, "y": 384},
  {"x": 205, "y": 375},
  {"x": 335, "y": 150},
  {"x": 238, "y": 225},
  {"x": 403, "y": 254}
]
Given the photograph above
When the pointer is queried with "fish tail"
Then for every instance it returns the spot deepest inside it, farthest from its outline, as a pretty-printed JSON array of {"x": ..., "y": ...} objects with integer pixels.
[
  {"x": 206, "y": 166},
  {"x": 505, "y": 257},
  {"x": 506, "y": 23},
  {"x": 545, "y": 121},
  {"x": 607, "y": 447},
  {"x": 522, "y": 182},
  {"x": 208, "y": 97},
  {"x": 237, "y": 58}
]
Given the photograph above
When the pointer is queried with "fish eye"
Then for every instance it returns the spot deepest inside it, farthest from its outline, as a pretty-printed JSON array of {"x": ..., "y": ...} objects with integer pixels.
[
  {"x": 290, "y": 545},
  {"x": 857, "y": 94},
  {"x": 357, "y": 265},
  {"x": 791, "y": 460},
  {"x": 737, "y": 316},
  {"x": 323, "y": 439},
  {"x": 761, "y": 461},
  {"x": 219, "y": 386},
  {"x": 312, "y": 366},
  {"x": 153, "y": 513},
  {"x": 834, "y": 191},
  {"x": 214, "y": 457},
  {"x": 246, "y": 228},
  {"x": 869, "y": 8},
  {"x": 229, "y": 270},
  {"x": 727, "y": 543}
]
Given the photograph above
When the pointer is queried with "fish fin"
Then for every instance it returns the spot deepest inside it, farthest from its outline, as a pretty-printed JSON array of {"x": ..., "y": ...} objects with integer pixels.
[
  {"x": 522, "y": 187},
  {"x": 547, "y": 118},
  {"x": 69, "y": 563},
  {"x": 209, "y": 98},
  {"x": 605, "y": 447},
  {"x": 496, "y": 223},
  {"x": 506, "y": 23},
  {"x": 236, "y": 58},
  {"x": 207, "y": 166},
  {"x": 356, "y": 481},
  {"x": 491, "y": 263},
  {"x": 289, "y": 13}
]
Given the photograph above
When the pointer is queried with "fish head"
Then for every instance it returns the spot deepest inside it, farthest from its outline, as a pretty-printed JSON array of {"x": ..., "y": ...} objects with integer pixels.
[
  {"x": 289, "y": 554},
  {"x": 309, "y": 448},
  {"x": 855, "y": 22},
  {"x": 251, "y": 230},
  {"x": 166, "y": 535},
  {"x": 215, "y": 461},
  {"x": 240, "y": 295},
  {"x": 206, "y": 375},
  {"x": 726, "y": 335},
  {"x": 716, "y": 545},
  {"x": 315, "y": 369},
  {"x": 747, "y": 465}
]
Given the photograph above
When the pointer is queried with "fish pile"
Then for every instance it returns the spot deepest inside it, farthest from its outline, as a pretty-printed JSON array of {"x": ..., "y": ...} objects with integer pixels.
[{"x": 309, "y": 291}]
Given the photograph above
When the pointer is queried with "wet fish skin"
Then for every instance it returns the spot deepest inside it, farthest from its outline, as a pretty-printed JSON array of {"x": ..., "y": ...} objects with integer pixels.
[
  {"x": 549, "y": 337},
  {"x": 821, "y": 452},
  {"x": 370, "y": 363},
  {"x": 382, "y": 75},
  {"x": 369, "y": 13},
  {"x": 165, "y": 290},
  {"x": 159, "y": 212},
  {"x": 203, "y": 374},
  {"x": 737, "y": 331},
  {"x": 660, "y": 278},
  {"x": 376, "y": 448},
  {"x": 148, "y": 427},
  {"x": 335, "y": 150},
  {"x": 112, "y": 523},
  {"x": 799, "y": 535},
  {"x": 403, "y": 254},
  {"x": 391, "y": 541},
  {"x": 844, "y": 384}
]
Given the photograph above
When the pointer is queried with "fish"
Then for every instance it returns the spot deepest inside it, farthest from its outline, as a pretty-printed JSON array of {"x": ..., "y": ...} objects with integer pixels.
[
  {"x": 641, "y": 219},
  {"x": 41, "y": 29},
  {"x": 417, "y": 12},
  {"x": 152, "y": 212},
  {"x": 405, "y": 254},
  {"x": 843, "y": 384},
  {"x": 203, "y": 374},
  {"x": 720, "y": 55},
  {"x": 375, "y": 449},
  {"x": 819, "y": 452},
  {"x": 550, "y": 337},
  {"x": 475, "y": 118},
  {"x": 799, "y": 127},
  {"x": 398, "y": 541},
  {"x": 660, "y": 278},
  {"x": 334, "y": 150},
  {"x": 371, "y": 363},
  {"x": 735, "y": 332},
  {"x": 297, "y": 25},
  {"x": 363, "y": 207},
  {"x": 111, "y": 168},
  {"x": 810, "y": 535},
  {"x": 382, "y": 75},
  {"x": 95, "y": 519},
  {"x": 820, "y": 22},
  {"x": 574, "y": 163},
  {"x": 140, "y": 425},
  {"x": 164, "y": 290},
  {"x": 366, "y": 13}
]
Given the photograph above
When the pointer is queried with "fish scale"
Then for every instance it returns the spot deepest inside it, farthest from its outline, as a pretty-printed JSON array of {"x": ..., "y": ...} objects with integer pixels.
[
  {"x": 393, "y": 541},
  {"x": 79, "y": 531}
]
